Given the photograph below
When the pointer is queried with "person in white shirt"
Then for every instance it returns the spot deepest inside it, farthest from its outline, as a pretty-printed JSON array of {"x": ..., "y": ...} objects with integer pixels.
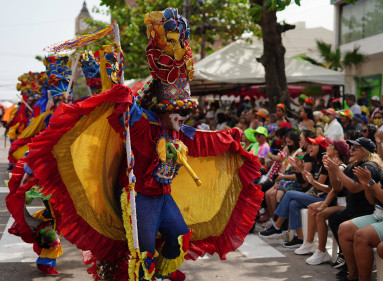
[
  {"x": 351, "y": 103},
  {"x": 333, "y": 129}
]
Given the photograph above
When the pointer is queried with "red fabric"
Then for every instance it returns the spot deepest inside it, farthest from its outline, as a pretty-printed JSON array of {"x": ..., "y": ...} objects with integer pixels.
[
  {"x": 15, "y": 202},
  {"x": 78, "y": 232},
  {"x": 243, "y": 216},
  {"x": 41, "y": 160}
]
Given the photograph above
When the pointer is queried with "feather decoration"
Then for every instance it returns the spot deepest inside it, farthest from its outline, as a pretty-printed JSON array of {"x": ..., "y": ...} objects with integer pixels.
[{"x": 92, "y": 38}]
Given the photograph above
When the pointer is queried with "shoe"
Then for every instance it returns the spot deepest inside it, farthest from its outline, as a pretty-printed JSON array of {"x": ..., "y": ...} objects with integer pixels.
[
  {"x": 271, "y": 232},
  {"x": 267, "y": 224},
  {"x": 296, "y": 242},
  {"x": 306, "y": 248},
  {"x": 339, "y": 261},
  {"x": 177, "y": 275},
  {"x": 318, "y": 257},
  {"x": 47, "y": 270},
  {"x": 343, "y": 271}
]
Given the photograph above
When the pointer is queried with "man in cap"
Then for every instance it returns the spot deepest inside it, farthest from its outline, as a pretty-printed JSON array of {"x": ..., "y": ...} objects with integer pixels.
[
  {"x": 345, "y": 118},
  {"x": 333, "y": 129}
]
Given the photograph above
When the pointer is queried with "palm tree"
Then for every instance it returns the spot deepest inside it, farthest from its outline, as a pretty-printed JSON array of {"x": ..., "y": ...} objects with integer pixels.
[{"x": 333, "y": 59}]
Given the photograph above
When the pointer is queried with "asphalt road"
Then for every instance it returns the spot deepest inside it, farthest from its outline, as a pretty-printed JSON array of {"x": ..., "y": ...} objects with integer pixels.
[{"x": 256, "y": 260}]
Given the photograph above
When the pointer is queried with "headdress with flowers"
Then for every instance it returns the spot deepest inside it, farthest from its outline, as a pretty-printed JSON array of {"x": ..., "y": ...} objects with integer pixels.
[{"x": 170, "y": 62}]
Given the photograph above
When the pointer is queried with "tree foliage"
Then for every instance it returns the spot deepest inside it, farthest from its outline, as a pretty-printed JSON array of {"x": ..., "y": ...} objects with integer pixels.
[
  {"x": 333, "y": 59},
  {"x": 209, "y": 20}
]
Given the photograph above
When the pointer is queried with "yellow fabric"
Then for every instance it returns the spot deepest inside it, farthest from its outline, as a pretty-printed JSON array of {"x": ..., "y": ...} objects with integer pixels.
[
  {"x": 52, "y": 253},
  {"x": 167, "y": 266},
  {"x": 161, "y": 149},
  {"x": 35, "y": 126},
  {"x": 207, "y": 208},
  {"x": 12, "y": 131},
  {"x": 89, "y": 158},
  {"x": 20, "y": 152},
  {"x": 39, "y": 215}
]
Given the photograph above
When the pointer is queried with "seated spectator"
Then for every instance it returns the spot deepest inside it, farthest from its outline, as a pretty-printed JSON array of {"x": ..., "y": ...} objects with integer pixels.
[
  {"x": 249, "y": 142},
  {"x": 378, "y": 119},
  {"x": 319, "y": 212},
  {"x": 345, "y": 119},
  {"x": 221, "y": 122},
  {"x": 332, "y": 129},
  {"x": 286, "y": 179},
  {"x": 263, "y": 146},
  {"x": 281, "y": 114},
  {"x": 360, "y": 235},
  {"x": 262, "y": 116},
  {"x": 294, "y": 201},
  {"x": 271, "y": 126},
  {"x": 369, "y": 130},
  {"x": 307, "y": 117},
  {"x": 361, "y": 154},
  {"x": 252, "y": 119},
  {"x": 243, "y": 123},
  {"x": 352, "y": 134},
  {"x": 358, "y": 121}
]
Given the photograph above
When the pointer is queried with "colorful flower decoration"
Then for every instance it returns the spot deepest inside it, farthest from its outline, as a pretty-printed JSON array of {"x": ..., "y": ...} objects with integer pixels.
[
  {"x": 59, "y": 73},
  {"x": 91, "y": 69},
  {"x": 170, "y": 60},
  {"x": 110, "y": 69}
]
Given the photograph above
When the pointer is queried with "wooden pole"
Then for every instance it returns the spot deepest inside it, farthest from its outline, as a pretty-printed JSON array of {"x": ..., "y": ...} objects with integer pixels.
[
  {"x": 26, "y": 104},
  {"x": 74, "y": 67}
]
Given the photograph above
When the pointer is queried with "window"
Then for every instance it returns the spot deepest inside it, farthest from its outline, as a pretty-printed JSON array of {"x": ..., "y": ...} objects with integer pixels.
[
  {"x": 360, "y": 20},
  {"x": 372, "y": 85}
]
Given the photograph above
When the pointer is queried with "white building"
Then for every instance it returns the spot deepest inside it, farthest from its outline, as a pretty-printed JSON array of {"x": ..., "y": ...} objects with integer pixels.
[{"x": 361, "y": 24}]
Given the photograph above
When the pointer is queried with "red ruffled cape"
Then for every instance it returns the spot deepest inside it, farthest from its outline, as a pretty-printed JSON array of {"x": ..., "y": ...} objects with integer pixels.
[{"x": 79, "y": 232}]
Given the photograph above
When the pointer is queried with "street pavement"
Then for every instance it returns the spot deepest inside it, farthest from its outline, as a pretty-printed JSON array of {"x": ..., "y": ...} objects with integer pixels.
[{"x": 256, "y": 260}]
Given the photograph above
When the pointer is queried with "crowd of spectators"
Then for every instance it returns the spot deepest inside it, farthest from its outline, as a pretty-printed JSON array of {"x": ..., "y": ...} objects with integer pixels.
[{"x": 324, "y": 157}]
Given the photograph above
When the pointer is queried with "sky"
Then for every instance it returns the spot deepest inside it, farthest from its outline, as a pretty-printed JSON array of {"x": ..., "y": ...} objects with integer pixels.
[{"x": 28, "y": 26}]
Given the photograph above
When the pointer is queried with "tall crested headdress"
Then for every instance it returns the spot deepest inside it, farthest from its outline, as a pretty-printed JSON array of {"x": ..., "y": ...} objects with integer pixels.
[
  {"x": 59, "y": 72},
  {"x": 91, "y": 69},
  {"x": 170, "y": 63}
]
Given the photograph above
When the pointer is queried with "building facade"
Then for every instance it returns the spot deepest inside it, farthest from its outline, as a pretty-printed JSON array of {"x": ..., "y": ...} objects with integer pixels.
[{"x": 361, "y": 25}]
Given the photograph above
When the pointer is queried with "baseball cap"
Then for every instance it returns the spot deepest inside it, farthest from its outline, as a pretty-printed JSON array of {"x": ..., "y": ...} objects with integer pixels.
[
  {"x": 348, "y": 113},
  {"x": 281, "y": 105},
  {"x": 365, "y": 143},
  {"x": 319, "y": 140},
  {"x": 250, "y": 134},
  {"x": 375, "y": 98},
  {"x": 340, "y": 145},
  {"x": 308, "y": 100},
  {"x": 329, "y": 111},
  {"x": 261, "y": 130},
  {"x": 285, "y": 124},
  {"x": 263, "y": 113}
]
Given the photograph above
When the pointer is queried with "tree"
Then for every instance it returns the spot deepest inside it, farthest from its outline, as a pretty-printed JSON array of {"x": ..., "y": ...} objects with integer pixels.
[
  {"x": 264, "y": 13},
  {"x": 214, "y": 19}
]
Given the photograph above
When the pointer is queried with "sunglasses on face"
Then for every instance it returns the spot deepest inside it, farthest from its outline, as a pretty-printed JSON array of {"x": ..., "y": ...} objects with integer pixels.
[
  {"x": 364, "y": 130},
  {"x": 258, "y": 135}
]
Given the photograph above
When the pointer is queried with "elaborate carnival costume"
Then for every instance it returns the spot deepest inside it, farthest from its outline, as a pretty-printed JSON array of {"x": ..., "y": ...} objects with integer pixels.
[
  {"x": 81, "y": 161},
  {"x": 49, "y": 92}
]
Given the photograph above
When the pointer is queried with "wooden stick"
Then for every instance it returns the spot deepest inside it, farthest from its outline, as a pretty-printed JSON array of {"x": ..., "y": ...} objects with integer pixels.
[
  {"x": 26, "y": 104},
  {"x": 74, "y": 67},
  {"x": 189, "y": 169}
]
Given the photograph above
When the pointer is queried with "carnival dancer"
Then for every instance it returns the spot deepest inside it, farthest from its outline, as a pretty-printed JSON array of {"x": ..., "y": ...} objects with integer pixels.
[
  {"x": 81, "y": 161},
  {"x": 39, "y": 228}
]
